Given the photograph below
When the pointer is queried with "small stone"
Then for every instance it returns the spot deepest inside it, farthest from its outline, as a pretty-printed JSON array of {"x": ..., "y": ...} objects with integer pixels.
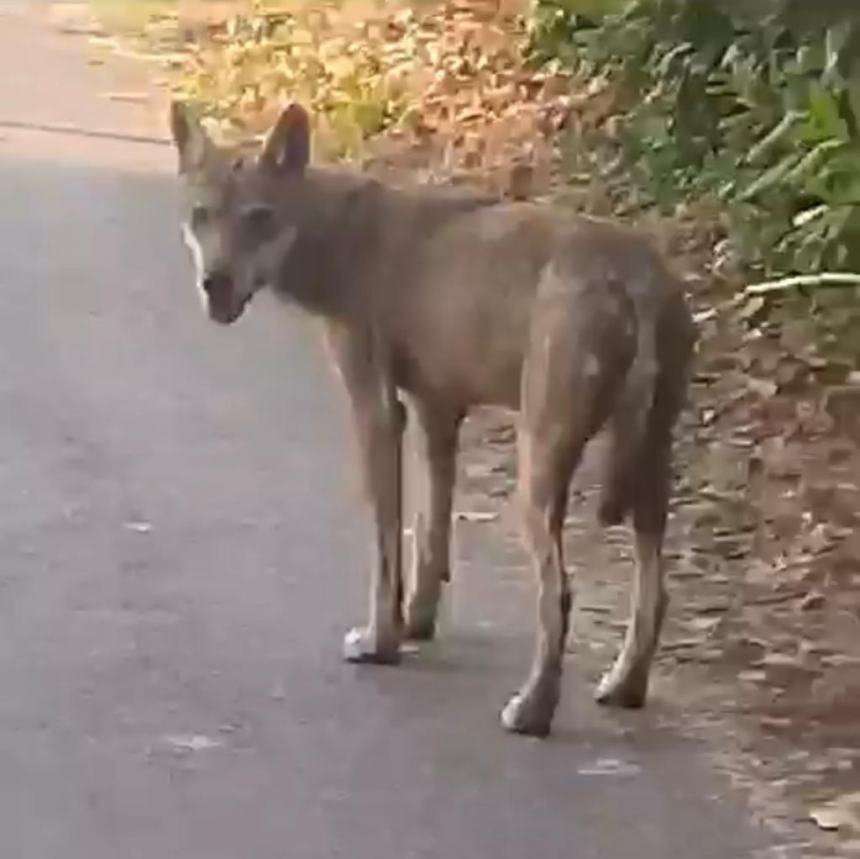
[{"x": 812, "y": 602}]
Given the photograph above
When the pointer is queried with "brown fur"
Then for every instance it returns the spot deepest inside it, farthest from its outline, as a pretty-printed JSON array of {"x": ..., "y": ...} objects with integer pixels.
[{"x": 454, "y": 299}]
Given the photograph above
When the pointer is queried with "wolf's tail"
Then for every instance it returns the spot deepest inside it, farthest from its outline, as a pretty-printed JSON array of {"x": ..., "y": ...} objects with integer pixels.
[
  {"x": 629, "y": 429},
  {"x": 640, "y": 428}
]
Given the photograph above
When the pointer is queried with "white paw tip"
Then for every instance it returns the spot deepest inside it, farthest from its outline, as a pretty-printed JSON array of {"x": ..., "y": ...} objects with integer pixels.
[
  {"x": 353, "y": 645},
  {"x": 510, "y": 713}
]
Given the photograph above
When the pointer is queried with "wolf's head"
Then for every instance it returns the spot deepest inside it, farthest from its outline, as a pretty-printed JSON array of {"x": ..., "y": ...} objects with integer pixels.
[{"x": 240, "y": 215}]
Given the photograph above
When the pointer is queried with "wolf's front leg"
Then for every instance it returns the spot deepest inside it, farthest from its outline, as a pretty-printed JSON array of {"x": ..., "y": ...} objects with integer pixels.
[
  {"x": 380, "y": 438},
  {"x": 380, "y": 421}
]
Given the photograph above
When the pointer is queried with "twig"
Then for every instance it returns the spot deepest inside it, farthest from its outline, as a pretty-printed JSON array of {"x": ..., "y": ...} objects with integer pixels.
[{"x": 800, "y": 280}]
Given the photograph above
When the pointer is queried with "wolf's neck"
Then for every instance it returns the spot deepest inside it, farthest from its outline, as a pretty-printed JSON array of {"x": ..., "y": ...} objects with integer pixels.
[
  {"x": 359, "y": 241},
  {"x": 328, "y": 270}
]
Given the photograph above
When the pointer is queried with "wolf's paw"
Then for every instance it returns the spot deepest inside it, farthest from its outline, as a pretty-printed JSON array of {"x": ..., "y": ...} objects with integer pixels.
[
  {"x": 363, "y": 644},
  {"x": 623, "y": 687},
  {"x": 530, "y": 711}
]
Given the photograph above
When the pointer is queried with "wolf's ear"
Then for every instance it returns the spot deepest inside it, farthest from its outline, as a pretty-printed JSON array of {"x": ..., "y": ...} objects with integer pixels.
[
  {"x": 288, "y": 146},
  {"x": 190, "y": 138}
]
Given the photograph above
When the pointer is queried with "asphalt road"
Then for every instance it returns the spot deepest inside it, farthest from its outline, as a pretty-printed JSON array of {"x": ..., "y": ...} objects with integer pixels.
[{"x": 182, "y": 549}]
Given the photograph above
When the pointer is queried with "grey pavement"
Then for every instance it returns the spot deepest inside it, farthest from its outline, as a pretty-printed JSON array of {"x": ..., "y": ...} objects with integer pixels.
[{"x": 181, "y": 549}]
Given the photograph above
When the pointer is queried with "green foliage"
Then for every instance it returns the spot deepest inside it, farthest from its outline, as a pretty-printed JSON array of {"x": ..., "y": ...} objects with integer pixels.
[{"x": 756, "y": 102}]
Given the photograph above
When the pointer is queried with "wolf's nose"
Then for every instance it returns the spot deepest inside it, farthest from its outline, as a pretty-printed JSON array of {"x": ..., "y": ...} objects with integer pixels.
[{"x": 216, "y": 283}]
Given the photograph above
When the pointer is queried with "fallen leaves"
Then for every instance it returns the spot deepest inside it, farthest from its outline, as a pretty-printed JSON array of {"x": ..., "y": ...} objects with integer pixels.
[
  {"x": 445, "y": 92},
  {"x": 842, "y": 813}
]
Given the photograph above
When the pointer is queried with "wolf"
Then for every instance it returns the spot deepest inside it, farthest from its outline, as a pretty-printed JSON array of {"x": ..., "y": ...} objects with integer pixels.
[{"x": 446, "y": 299}]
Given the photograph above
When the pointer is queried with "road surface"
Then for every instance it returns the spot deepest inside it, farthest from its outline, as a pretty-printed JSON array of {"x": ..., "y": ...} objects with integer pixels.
[{"x": 182, "y": 549}]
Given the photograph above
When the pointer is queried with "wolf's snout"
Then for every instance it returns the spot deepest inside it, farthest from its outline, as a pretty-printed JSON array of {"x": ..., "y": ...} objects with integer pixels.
[
  {"x": 222, "y": 302},
  {"x": 217, "y": 284}
]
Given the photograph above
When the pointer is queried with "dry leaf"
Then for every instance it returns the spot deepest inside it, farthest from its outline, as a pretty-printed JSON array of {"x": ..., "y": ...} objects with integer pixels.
[
  {"x": 842, "y": 814},
  {"x": 476, "y": 516}
]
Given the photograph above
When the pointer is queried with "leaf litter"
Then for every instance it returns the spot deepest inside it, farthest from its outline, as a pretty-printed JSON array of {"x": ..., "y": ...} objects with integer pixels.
[{"x": 440, "y": 92}]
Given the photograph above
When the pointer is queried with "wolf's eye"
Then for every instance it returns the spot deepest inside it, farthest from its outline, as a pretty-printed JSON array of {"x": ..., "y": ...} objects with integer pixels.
[
  {"x": 259, "y": 222},
  {"x": 199, "y": 216}
]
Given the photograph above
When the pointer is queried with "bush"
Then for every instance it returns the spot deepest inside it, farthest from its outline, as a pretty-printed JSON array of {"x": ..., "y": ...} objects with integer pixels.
[{"x": 756, "y": 102}]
